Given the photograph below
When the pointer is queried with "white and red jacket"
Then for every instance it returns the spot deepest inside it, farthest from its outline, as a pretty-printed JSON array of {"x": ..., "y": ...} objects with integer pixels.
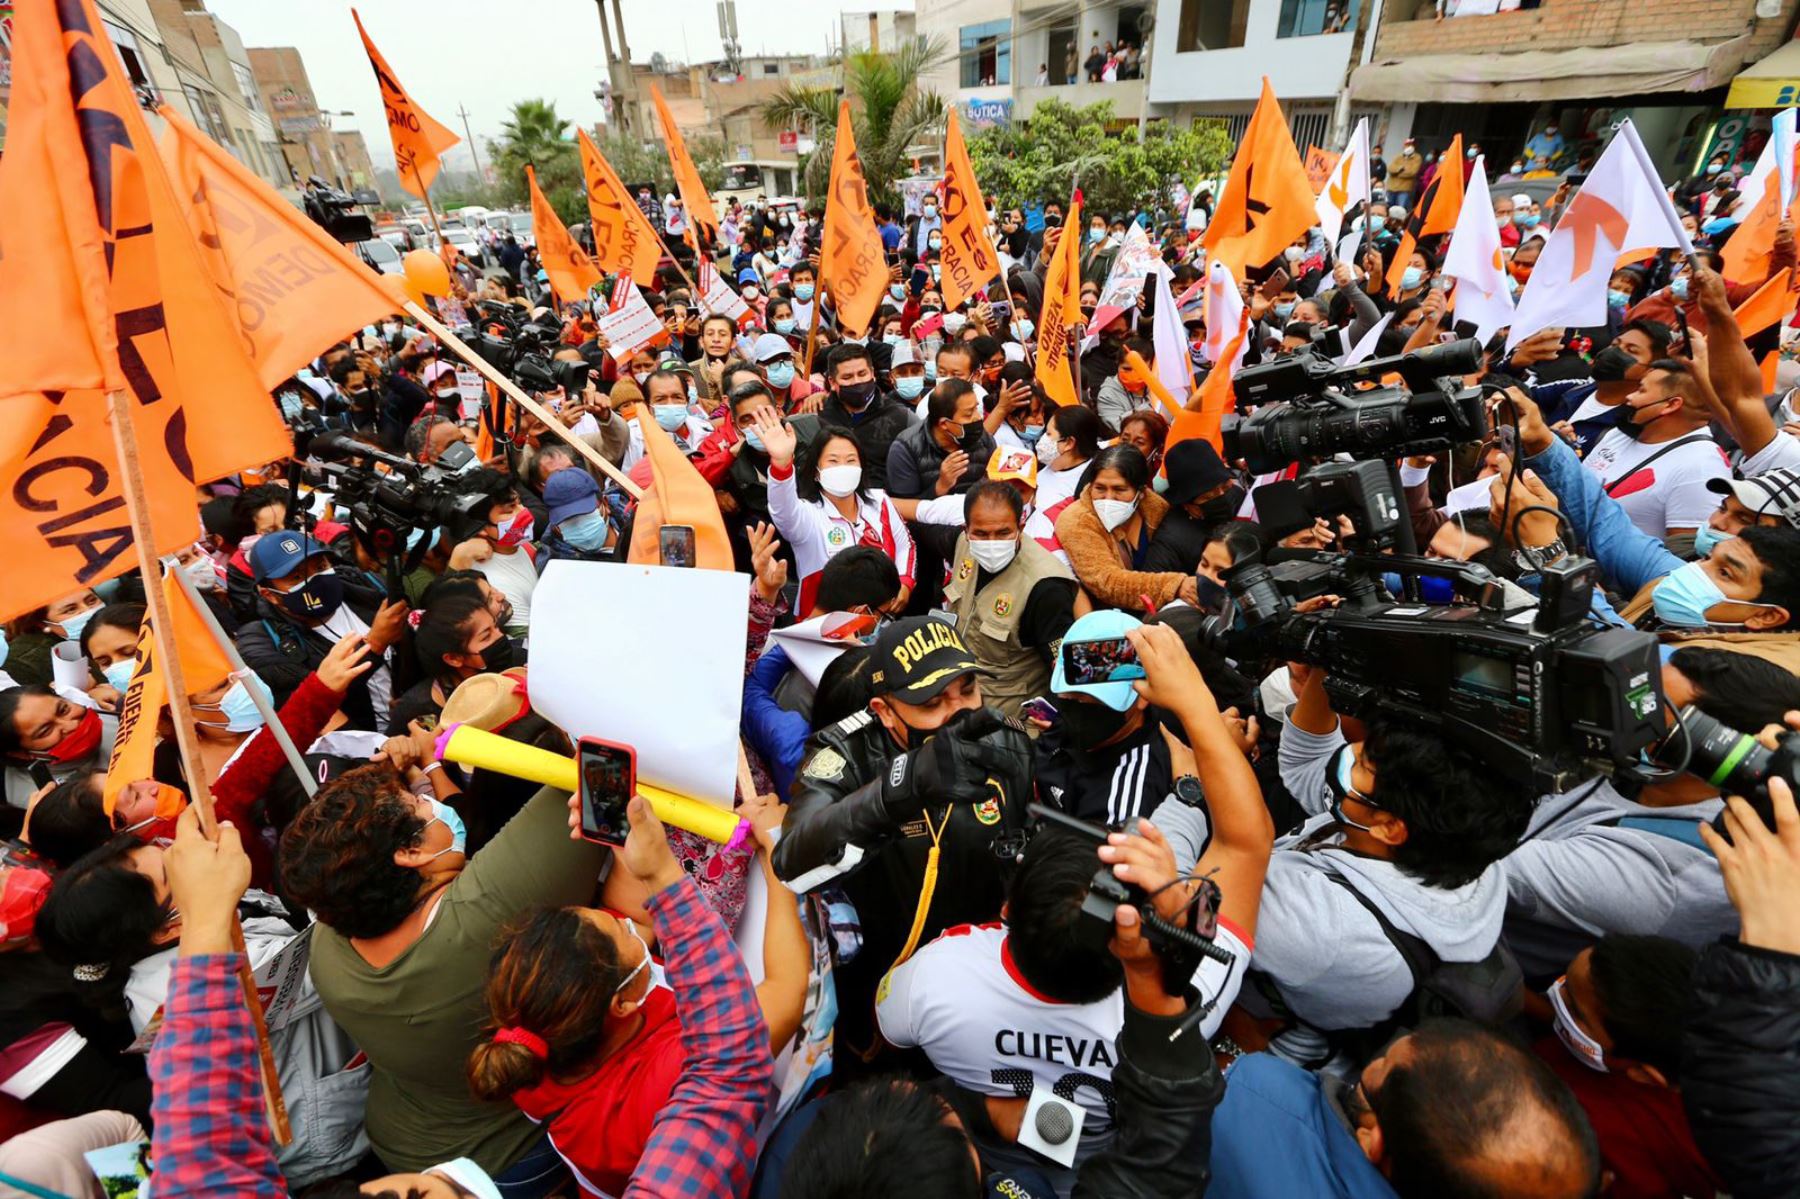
[{"x": 816, "y": 532}]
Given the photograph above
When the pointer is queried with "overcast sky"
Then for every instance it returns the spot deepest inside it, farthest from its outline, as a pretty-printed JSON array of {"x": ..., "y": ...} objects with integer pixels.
[{"x": 487, "y": 55}]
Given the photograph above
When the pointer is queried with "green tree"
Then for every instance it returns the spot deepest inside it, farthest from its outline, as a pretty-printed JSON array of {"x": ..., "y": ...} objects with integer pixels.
[
  {"x": 890, "y": 112},
  {"x": 536, "y": 136},
  {"x": 1060, "y": 145}
]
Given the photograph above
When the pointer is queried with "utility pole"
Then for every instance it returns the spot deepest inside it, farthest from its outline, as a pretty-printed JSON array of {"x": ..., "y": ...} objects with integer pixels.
[
  {"x": 1366, "y": 15},
  {"x": 476, "y": 154},
  {"x": 1146, "y": 25}
]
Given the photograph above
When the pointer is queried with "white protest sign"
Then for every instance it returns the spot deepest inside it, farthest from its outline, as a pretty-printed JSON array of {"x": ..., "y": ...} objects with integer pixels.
[
  {"x": 720, "y": 298},
  {"x": 676, "y": 699},
  {"x": 814, "y": 644},
  {"x": 632, "y": 327}
]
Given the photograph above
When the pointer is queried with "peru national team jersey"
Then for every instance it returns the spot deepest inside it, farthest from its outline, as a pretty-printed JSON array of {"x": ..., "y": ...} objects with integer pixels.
[{"x": 963, "y": 1001}]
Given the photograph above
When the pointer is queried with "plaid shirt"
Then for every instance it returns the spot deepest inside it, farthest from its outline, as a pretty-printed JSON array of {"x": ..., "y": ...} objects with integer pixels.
[
  {"x": 704, "y": 1139},
  {"x": 211, "y": 1137}
]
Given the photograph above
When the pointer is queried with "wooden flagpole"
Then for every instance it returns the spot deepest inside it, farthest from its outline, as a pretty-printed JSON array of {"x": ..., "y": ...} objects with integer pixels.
[
  {"x": 812, "y": 331},
  {"x": 442, "y": 333},
  {"x": 187, "y": 740}
]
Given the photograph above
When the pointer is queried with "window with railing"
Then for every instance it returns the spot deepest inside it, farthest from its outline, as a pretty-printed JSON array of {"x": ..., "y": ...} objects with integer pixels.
[
  {"x": 1307, "y": 18},
  {"x": 1211, "y": 25},
  {"x": 986, "y": 53}
]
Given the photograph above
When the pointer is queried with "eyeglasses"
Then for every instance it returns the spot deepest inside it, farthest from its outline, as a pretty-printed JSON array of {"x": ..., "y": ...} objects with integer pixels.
[{"x": 631, "y": 927}]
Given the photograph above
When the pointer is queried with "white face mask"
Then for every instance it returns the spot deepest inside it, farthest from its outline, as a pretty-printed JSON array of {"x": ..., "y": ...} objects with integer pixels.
[
  {"x": 840, "y": 481},
  {"x": 995, "y": 556},
  {"x": 1113, "y": 513},
  {"x": 469, "y": 1176},
  {"x": 1585, "y": 1049},
  {"x": 201, "y": 573},
  {"x": 1046, "y": 449}
]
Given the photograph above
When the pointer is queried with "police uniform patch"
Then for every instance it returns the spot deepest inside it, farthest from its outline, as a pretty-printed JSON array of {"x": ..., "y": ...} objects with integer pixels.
[
  {"x": 988, "y": 811},
  {"x": 966, "y": 569},
  {"x": 827, "y": 764},
  {"x": 881, "y": 992},
  {"x": 836, "y": 536},
  {"x": 1002, "y": 604}
]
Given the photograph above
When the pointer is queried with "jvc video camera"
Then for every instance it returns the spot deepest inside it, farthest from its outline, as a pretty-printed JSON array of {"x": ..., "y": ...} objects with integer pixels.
[{"x": 1303, "y": 407}]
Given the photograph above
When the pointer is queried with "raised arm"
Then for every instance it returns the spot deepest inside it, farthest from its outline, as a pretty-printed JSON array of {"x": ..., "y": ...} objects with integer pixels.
[{"x": 1731, "y": 368}]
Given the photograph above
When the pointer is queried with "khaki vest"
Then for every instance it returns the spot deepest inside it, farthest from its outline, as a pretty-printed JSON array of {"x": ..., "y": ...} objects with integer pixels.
[{"x": 988, "y": 620}]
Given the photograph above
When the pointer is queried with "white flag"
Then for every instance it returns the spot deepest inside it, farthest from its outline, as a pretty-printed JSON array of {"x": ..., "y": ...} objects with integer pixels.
[
  {"x": 1224, "y": 313},
  {"x": 1474, "y": 261},
  {"x": 1348, "y": 185},
  {"x": 1170, "y": 339},
  {"x": 1622, "y": 206}
]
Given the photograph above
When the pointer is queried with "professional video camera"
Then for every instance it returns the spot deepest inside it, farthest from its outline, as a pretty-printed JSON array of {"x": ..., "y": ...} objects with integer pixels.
[
  {"x": 1304, "y": 407},
  {"x": 511, "y": 341},
  {"x": 336, "y": 211},
  {"x": 1540, "y": 694},
  {"x": 1736, "y": 762},
  {"x": 384, "y": 508}
]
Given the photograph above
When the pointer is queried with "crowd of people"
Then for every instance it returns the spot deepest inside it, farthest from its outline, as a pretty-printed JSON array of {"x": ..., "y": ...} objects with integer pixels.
[{"x": 1351, "y": 958}]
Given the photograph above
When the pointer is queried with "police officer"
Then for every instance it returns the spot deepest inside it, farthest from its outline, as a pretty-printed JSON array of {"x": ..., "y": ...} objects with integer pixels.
[{"x": 913, "y": 805}]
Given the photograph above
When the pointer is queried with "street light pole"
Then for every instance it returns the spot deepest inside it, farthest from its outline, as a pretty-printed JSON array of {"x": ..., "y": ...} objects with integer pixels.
[{"x": 476, "y": 154}]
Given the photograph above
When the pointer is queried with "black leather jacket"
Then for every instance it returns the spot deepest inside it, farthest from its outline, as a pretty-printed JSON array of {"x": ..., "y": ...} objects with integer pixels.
[{"x": 1740, "y": 1067}]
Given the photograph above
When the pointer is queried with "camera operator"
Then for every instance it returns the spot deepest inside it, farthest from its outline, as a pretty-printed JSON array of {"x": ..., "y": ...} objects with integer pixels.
[
  {"x": 895, "y": 1135},
  {"x": 502, "y": 550},
  {"x": 1407, "y": 833},
  {"x": 1618, "y": 857},
  {"x": 303, "y": 608},
  {"x": 1742, "y": 595},
  {"x": 988, "y": 1002},
  {"x": 912, "y": 804}
]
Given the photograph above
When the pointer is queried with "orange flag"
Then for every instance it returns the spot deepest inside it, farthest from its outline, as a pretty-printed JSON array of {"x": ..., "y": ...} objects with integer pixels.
[
  {"x": 199, "y": 408},
  {"x": 852, "y": 261},
  {"x": 1205, "y": 415},
  {"x": 295, "y": 289},
  {"x": 1771, "y": 303},
  {"x": 625, "y": 243},
  {"x": 1435, "y": 212},
  {"x": 1770, "y": 361},
  {"x": 678, "y": 496},
  {"x": 694, "y": 196},
  {"x": 570, "y": 269},
  {"x": 418, "y": 140},
  {"x": 203, "y": 666},
  {"x": 1267, "y": 201},
  {"x": 1062, "y": 308},
  {"x": 968, "y": 256}
]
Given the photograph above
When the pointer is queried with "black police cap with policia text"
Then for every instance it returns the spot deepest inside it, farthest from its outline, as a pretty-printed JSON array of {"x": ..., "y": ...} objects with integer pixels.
[{"x": 918, "y": 657}]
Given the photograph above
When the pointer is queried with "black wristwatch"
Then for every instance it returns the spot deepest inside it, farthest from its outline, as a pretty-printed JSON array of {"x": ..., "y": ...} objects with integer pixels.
[{"x": 1189, "y": 792}]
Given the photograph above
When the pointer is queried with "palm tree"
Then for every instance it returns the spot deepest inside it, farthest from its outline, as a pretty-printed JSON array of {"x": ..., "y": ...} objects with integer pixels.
[
  {"x": 890, "y": 112},
  {"x": 534, "y": 132},
  {"x": 536, "y": 136}
]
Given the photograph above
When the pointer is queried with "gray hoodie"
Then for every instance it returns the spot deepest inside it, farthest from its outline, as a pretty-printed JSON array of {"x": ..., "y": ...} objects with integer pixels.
[
  {"x": 1330, "y": 959},
  {"x": 1577, "y": 876}
]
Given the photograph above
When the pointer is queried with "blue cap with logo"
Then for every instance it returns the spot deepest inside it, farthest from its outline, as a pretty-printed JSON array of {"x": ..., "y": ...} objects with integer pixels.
[{"x": 277, "y": 555}]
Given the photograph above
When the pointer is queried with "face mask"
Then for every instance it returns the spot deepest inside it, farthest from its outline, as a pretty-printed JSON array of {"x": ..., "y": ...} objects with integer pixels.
[
  {"x": 935, "y": 243},
  {"x": 954, "y": 322},
  {"x": 1585, "y": 1049},
  {"x": 447, "y": 815},
  {"x": 118, "y": 675},
  {"x": 898, "y": 291},
  {"x": 1377, "y": 224},
  {"x": 518, "y": 530},
  {"x": 316, "y": 599},
  {"x": 1611, "y": 364},
  {"x": 751, "y": 291},
  {"x": 72, "y": 625},
  {"x": 1096, "y": 236},
  {"x": 753, "y": 439},
  {"x": 1091, "y": 725},
  {"x": 1678, "y": 287},
  {"x": 930, "y": 211},
  {"x": 1531, "y": 220},
  {"x": 502, "y": 655},
  {"x": 1684, "y": 597},
  {"x": 856, "y": 396},
  {"x": 586, "y": 532},
  {"x": 994, "y": 556},
  {"x": 840, "y": 481},
  {"x": 1410, "y": 278},
  {"x": 1617, "y": 300},
  {"x": 910, "y": 387},
  {"x": 1283, "y": 311},
  {"x": 1705, "y": 538},
  {"x": 1113, "y": 513},
  {"x": 781, "y": 375},
  {"x": 1022, "y": 329},
  {"x": 1713, "y": 168},
  {"x": 80, "y": 743},
  {"x": 784, "y": 325},
  {"x": 931, "y": 370},
  {"x": 1518, "y": 168},
  {"x": 803, "y": 292},
  {"x": 671, "y": 416},
  {"x": 238, "y": 708},
  {"x": 1292, "y": 253},
  {"x": 642, "y": 377},
  {"x": 1047, "y": 449},
  {"x": 1337, "y": 781}
]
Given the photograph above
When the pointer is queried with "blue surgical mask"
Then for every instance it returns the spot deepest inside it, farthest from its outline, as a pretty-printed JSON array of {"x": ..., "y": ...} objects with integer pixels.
[
  {"x": 784, "y": 325},
  {"x": 1377, "y": 224},
  {"x": 898, "y": 291},
  {"x": 1532, "y": 219},
  {"x": 1713, "y": 168},
  {"x": 1283, "y": 311},
  {"x": 1705, "y": 538},
  {"x": 1030, "y": 434},
  {"x": 930, "y": 369},
  {"x": 118, "y": 675},
  {"x": 781, "y": 376},
  {"x": 72, "y": 625},
  {"x": 1410, "y": 278},
  {"x": 459, "y": 836},
  {"x": 1338, "y": 774},
  {"x": 1022, "y": 329},
  {"x": 586, "y": 532},
  {"x": 910, "y": 387},
  {"x": 803, "y": 292},
  {"x": 753, "y": 439},
  {"x": 892, "y": 339},
  {"x": 238, "y": 707},
  {"x": 1684, "y": 597},
  {"x": 1678, "y": 287},
  {"x": 1617, "y": 299},
  {"x": 671, "y": 416}
]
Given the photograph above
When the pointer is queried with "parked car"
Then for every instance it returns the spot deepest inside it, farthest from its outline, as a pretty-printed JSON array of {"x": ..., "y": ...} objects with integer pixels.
[{"x": 381, "y": 254}]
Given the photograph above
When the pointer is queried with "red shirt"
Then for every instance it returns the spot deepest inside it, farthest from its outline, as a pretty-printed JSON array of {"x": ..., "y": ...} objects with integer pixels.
[{"x": 1643, "y": 1132}]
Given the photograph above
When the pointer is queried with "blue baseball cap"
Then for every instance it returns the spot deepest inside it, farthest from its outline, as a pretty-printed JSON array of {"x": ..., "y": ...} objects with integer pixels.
[
  {"x": 748, "y": 275},
  {"x": 277, "y": 555},
  {"x": 1097, "y": 626},
  {"x": 571, "y": 491}
]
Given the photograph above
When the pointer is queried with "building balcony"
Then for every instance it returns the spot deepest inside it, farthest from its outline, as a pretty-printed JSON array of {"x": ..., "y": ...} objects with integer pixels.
[{"x": 1126, "y": 96}]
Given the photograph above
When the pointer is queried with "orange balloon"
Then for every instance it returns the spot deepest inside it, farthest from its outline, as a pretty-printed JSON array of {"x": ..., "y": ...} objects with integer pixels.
[{"x": 426, "y": 272}]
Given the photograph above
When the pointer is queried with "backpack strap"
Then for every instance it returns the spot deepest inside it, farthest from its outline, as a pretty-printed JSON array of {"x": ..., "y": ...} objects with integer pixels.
[
  {"x": 1419, "y": 957},
  {"x": 1646, "y": 463}
]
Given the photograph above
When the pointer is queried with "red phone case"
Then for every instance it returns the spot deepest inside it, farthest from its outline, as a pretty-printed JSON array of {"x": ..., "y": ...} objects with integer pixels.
[{"x": 631, "y": 782}]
